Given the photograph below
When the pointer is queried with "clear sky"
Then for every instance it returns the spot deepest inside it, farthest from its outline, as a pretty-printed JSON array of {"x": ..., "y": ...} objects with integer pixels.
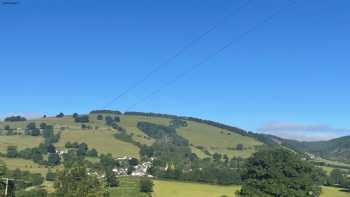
[{"x": 289, "y": 76}]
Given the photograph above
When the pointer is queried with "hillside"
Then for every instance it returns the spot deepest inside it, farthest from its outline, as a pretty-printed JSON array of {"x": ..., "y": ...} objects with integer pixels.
[
  {"x": 165, "y": 141},
  {"x": 205, "y": 139},
  {"x": 336, "y": 149}
]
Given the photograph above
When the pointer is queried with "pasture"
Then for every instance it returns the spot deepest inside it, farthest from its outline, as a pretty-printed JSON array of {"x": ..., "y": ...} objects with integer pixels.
[{"x": 102, "y": 140}]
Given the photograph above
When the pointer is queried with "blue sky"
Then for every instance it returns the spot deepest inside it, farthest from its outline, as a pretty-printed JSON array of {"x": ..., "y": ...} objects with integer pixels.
[{"x": 288, "y": 77}]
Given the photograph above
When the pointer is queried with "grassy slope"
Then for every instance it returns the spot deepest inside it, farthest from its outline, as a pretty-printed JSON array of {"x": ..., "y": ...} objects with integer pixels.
[
  {"x": 334, "y": 192},
  {"x": 218, "y": 140},
  {"x": 26, "y": 165},
  {"x": 102, "y": 140},
  {"x": 212, "y": 138},
  {"x": 21, "y": 142}
]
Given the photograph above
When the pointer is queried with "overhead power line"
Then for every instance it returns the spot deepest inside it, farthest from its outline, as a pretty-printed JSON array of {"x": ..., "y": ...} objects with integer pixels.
[
  {"x": 178, "y": 53},
  {"x": 216, "y": 53}
]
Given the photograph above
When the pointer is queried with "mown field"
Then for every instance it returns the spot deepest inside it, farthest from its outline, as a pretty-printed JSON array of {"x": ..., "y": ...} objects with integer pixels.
[
  {"x": 175, "y": 189},
  {"x": 129, "y": 188},
  {"x": 334, "y": 192}
]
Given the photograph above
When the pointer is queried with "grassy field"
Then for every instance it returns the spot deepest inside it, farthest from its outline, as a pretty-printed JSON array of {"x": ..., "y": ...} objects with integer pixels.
[
  {"x": 129, "y": 188},
  {"x": 26, "y": 165},
  {"x": 21, "y": 141},
  {"x": 102, "y": 140},
  {"x": 218, "y": 140},
  {"x": 175, "y": 189},
  {"x": 334, "y": 192}
]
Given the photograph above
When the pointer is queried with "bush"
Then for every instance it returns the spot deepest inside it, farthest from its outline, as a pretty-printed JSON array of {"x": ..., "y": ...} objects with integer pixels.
[
  {"x": 146, "y": 185},
  {"x": 53, "y": 159},
  {"x": 31, "y": 126},
  {"x": 51, "y": 176},
  {"x": 239, "y": 147},
  {"x": 92, "y": 153},
  {"x": 11, "y": 151},
  {"x": 116, "y": 119},
  {"x": 99, "y": 117}
]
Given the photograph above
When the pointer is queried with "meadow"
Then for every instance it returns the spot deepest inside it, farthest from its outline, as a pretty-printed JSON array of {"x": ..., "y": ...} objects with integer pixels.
[
  {"x": 129, "y": 187},
  {"x": 175, "y": 189},
  {"x": 26, "y": 165},
  {"x": 102, "y": 140},
  {"x": 334, "y": 192},
  {"x": 21, "y": 141}
]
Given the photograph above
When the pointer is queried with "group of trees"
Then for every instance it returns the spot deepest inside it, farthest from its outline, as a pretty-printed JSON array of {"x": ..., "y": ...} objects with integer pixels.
[
  {"x": 48, "y": 134},
  {"x": 177, "y": 123},
  {"x": 7, "y": 130},
  {"x": 19, "y": 181},
  {"x": 36, "y": 154},
  {"x": 75, "y": 180},
  {"x": 82, "y": 149},
  {"x": 111, "y": 112},
  {"x": 15, "y": 119},
  {"x": 279, "y": 172},
  {"x": 163, "y": 134},
  {"x": 81, "y": 118},
  {"x": 111, "y": 121},
  {"x": 174, "y": 159},
  {"x": 338, "y": 178},
  {"x": 32, "y": 130},
  {"x": 216, "y": 170},
  {"x": 60, "y": 115}
]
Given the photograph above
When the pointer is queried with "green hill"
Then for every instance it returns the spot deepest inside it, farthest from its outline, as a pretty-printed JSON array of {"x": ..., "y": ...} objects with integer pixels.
[
  {"x": 125, "y": 134},
  {"x": 205, "y": 138},
  {"x": 336, "y": 149}
]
